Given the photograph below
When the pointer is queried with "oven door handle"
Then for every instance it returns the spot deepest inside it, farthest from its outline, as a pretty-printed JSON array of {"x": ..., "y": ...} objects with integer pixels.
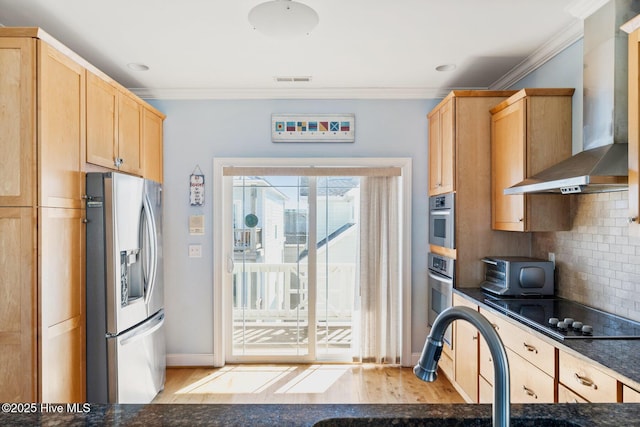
[
  {"x": 441, "y": 278},
  {"x": 442, "y": 212}
]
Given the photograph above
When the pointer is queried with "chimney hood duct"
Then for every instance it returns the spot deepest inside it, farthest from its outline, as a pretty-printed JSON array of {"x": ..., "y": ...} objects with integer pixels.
[{"x": 603, "y": 165}]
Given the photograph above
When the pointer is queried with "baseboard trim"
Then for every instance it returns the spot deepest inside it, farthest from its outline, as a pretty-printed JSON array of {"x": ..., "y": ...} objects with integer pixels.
[{"x": 181, "y": 359}]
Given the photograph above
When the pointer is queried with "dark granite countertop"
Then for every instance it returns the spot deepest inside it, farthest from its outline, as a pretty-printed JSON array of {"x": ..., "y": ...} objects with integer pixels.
[
  {"x": 613, "y": 354},
  {"x": 331, "y": 415}
]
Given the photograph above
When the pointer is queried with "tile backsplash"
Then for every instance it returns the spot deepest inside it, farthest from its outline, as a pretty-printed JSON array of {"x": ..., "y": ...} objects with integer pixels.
[{"x": 597, "y": 262}]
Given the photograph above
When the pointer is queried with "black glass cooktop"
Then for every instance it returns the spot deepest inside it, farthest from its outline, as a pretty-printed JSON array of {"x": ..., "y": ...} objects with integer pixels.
[{"x": 536, "y": 312}]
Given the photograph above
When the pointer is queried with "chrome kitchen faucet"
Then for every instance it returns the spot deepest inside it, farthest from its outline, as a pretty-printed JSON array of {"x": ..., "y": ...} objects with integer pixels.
[{"x": 428, "y": 363}]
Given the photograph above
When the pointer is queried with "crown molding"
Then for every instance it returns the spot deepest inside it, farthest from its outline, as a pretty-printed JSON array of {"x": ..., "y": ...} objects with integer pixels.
[
  {"x": 292, "y": 93},
  {"x": 540, "y": 56}
]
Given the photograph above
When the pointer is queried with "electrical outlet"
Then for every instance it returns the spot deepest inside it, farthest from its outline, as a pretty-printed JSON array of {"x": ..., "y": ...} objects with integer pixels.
[
  {"x": 552, "y": 258},
  {"x": 195, "y": 251}
]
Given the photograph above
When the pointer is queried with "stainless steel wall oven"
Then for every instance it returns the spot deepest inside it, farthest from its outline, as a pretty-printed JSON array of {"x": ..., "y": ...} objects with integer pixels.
[
  {"x": 441, "y": 220},
  {"x": 440, "y": 288}
]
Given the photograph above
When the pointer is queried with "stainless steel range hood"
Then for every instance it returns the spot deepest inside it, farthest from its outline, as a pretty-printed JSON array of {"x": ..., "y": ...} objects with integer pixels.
[{"x": 603, "y": 165}]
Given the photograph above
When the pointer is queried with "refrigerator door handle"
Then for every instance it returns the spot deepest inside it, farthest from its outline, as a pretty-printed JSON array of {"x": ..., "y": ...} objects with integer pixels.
[
  {"x": 150, "y": 229},
  {"x": 139, "y": 333}
]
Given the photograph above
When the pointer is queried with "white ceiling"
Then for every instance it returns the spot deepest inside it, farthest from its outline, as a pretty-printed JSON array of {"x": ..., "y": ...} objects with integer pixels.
[{"x": 360, "y": 48}]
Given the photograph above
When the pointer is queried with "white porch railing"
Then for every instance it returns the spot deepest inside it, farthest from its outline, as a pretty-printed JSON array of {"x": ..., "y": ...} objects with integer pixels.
[{"x": 280, "y": 292}]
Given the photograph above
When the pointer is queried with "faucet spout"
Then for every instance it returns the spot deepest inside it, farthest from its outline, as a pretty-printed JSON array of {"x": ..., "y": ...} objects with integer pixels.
[{"x": 427, "y": 366}]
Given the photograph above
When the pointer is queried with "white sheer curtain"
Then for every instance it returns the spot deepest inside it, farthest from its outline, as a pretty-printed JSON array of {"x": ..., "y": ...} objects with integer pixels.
[{"x": 380, "y": 261}]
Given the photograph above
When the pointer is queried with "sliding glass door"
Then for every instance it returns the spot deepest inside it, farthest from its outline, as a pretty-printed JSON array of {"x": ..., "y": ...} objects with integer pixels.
[{"x": 295, "y": 246}]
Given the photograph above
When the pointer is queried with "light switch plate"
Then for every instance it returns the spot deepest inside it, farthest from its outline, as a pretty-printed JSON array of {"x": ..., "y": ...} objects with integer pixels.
[{"x": 195, "y": 251}]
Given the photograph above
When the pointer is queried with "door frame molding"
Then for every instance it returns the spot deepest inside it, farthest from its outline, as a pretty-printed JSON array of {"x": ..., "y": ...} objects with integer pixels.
[{"x": 221, "y": 264}]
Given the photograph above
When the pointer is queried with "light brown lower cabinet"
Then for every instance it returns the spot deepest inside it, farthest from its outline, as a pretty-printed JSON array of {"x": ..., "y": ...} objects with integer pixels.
[
  {"x": 18, "y": 306},
  {"x": 630, "y": 395},
  {"x": 485, "y": 391},
  {"x": 61, "y": 291},
  {"x": 583, "y": 378},
  {"x": 465, "y": 347},
  {"x": 528, "y": 383},
  {"x": 566, "y": 395}
]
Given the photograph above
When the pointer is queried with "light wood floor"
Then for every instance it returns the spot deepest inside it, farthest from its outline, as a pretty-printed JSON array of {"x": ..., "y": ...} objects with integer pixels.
[{"x": 323, "y": 383}]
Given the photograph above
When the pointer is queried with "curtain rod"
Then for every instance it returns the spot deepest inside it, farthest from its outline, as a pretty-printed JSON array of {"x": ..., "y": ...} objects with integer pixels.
[{"x": 310, "y": 171}]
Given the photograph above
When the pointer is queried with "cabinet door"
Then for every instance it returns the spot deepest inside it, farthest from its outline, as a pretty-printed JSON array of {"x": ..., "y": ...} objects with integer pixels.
[
  {"x": 61, "y": 138},
  {"x": 129, "y": 134},
  {"x": 17, "y": 122},
  {"x": 435, "y": 153},
  {"x": 18, "y": 368},
  {"x": 102, "y": 123},
  {"x": 447, "y": 133},
  {"x": 442, "y": 149},
  {"x": 466, "y": 349},
  {"x": 466, "y": 360},
  {"x": 62, "y": 304},
  {"x": 152, "y": 145},
  {"x": 508, "y": 166}
]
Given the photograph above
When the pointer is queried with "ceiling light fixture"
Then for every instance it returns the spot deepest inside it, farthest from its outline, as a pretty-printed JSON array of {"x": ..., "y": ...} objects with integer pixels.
[
  {"x": 446, "y": 67},
  {"x": 137, "y": 67},
  {"x": 283, "y": 18}
]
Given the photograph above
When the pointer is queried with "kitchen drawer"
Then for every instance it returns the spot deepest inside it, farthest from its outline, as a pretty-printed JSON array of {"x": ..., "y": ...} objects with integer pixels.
[
  {"x": 485, "y": 390},
  {"x": 538, "y": 352},
  {"x": 586, "y": 380},
  {"x": 630, "y": 395},
  {"x": 529, "y": 384},
  {"x": 566, "y": 395}
]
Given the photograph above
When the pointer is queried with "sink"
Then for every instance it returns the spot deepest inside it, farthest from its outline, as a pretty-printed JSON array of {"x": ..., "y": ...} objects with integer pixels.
[{"x": 438, "y": 422}]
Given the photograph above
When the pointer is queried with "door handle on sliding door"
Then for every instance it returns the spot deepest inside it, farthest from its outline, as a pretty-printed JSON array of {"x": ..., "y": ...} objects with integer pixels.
[{"x": 230, "y": 264}]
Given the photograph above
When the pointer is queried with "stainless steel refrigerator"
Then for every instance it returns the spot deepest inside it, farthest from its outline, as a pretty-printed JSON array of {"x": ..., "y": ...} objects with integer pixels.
[{"x": 125, "y": 290}]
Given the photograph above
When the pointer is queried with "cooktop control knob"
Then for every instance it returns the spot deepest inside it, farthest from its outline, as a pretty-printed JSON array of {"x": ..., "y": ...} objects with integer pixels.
[
  {"x": 576, "y": 325},
  {"x": 553, "y": 321},
  {"x": 587, "y": 330},
  {"x": 563, "y": 326},
  {"x": 569, "y": 321}
]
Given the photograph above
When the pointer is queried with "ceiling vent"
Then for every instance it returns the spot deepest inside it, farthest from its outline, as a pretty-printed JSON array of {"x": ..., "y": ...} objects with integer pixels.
[{"x": 292, "y": 79}]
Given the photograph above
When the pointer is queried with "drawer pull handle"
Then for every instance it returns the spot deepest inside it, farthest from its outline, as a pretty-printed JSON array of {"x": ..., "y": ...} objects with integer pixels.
[
  {"x": 530, "y": 348},
  {"x": 529, "y": 392},
  {"x": 585, "y": 381},
  {"x": 496, "y": 327}
]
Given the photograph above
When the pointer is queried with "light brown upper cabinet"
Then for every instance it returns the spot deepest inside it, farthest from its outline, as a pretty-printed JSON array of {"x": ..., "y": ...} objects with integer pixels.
[
  {"x": 114, "y": 127},
  {"x": 441, "y": 147},
  {"x": 17, "y": 121},
  {"x": 61, "y": 137},
  {"x": 42, "y": 142},
  {"x": 460, "y": 161},
  {"x": 152, "y": 144},
  {"x": 530, "y": 131},
  {"x": 634, "y": 128}
]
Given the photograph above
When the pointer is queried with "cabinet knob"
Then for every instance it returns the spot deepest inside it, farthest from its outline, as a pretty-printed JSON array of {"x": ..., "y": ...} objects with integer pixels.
[
  {"x": 632, "y": 219},
  {"x": 118, "y": 161},
  {"x": 520, "y": 219}
]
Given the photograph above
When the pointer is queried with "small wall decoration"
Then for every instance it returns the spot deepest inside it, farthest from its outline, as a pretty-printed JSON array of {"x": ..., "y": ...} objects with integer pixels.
[
  {"x": 312, "y": 127},
  {"x": 196, "y": 187}
]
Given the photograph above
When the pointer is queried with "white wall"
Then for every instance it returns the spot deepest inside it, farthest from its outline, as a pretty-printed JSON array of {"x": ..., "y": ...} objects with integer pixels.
[{"x": 198, "y": 131}]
